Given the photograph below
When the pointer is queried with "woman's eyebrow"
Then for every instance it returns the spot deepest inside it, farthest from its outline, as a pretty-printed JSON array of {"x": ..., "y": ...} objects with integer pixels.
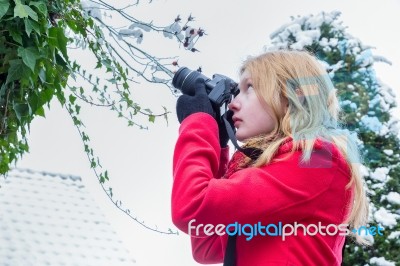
[{"x": 245, "y": 81}]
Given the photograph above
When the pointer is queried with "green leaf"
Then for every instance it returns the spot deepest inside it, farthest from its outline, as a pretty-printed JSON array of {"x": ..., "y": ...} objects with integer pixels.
[
  {"x": 152, "y": 118},
  {"x": 29, "y": 56},
  {"x": 4, "y": 5},
  {"x": 36, "y": 105},
  {"x": 72, "y": 99},
  {"x": 24, "y": 11},
  {"x": 15, "y": 71},
  {"x": 58, "y": 40},
  {"x": 40, "y": 111},
  {"x": 33, "y": 102},
  {"x": 3, "y": 91},
  {"x": 22, "y": 110},
  {"x": 102, "y": 179},
  {"x": 41, "y": 6},
  {"x": 46, "y": 95},
  {"x": 77, "y": 109},
  {"x": 60, "y": 61},
  {"x": 61, "y": 99},
  {"x": 72, "y": 25},
  {"x": 16, "y": 35},
  {"x": 31, "y": 25},
  {"x": 53, "y": 39},
  {"x": 42, "y": 75}
]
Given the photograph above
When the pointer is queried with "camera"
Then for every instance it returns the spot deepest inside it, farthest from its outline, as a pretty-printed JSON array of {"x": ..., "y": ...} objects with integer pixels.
[{"x": 220, "y": 89}]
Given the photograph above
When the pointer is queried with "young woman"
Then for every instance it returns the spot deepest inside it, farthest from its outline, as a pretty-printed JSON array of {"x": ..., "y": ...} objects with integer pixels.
[{"x": 293, "y": 204}]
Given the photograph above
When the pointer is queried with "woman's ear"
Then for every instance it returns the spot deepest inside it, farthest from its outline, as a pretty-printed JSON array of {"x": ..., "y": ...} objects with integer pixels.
[{"x": 285, "y": 104}]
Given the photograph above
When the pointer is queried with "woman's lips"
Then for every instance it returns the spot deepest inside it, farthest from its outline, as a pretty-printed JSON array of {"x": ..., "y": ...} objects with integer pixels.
[{"x": 236, "y": 121}]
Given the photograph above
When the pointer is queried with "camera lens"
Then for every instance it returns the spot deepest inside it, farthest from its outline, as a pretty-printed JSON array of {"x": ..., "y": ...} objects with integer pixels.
[{"x": 184, "y": 80}]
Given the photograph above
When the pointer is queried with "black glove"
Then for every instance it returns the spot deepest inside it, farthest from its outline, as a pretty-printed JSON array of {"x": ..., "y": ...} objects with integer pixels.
[
  {"x": 187, "y": 105},
  {"x": 223, "y": 134}
]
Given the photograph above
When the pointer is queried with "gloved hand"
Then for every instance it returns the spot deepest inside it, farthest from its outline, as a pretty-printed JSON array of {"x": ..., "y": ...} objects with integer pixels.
[
  {"x": 223, "y": 134},
  {"x": 187, "y": 105}
]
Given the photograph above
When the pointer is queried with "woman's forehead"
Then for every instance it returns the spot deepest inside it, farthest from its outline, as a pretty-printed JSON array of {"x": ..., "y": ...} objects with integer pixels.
[{"x": 245, "y": 75}]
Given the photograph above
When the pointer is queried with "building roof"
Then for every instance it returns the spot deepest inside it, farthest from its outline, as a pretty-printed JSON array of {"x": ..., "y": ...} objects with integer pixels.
[{"x": 51, "y": 219}]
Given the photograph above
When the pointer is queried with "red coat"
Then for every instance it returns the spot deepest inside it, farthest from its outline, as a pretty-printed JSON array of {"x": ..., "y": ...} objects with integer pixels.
[{"x": 286, "y": 192}]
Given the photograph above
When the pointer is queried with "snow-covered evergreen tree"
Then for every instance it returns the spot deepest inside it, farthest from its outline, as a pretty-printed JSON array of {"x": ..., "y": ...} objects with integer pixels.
[{"x": 366, "y": 109}]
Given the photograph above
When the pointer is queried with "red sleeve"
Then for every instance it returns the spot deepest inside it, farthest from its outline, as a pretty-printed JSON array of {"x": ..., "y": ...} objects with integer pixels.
[
  {"x": 223, "y": 162},
  {"x": 210, "y": 249},
  {"x": 278, "y": 192}
]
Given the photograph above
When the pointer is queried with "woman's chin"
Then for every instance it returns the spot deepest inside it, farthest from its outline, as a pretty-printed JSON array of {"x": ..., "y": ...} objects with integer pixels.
[{"x": 239, "y": 137}]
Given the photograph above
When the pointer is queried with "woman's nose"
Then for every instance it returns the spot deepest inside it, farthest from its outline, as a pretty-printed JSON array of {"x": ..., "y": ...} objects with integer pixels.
[{"x": 234, "y": 105}]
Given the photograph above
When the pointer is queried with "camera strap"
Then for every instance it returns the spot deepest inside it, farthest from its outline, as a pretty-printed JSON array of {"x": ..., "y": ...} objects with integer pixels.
[
  {"x": 230, "y": 252},
  {"x": 252, "y": 153}
]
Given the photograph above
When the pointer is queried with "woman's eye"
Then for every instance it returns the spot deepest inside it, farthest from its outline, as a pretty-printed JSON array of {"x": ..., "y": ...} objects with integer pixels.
[{"x": 246, "y": 88}]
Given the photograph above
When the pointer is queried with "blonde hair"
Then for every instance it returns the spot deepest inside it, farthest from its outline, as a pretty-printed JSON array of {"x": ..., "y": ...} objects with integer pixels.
[{"x": 297, "y": 78}]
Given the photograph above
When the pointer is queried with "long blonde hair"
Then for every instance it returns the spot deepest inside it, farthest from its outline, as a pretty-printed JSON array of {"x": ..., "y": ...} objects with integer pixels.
[{"x": 297, "y": 78}]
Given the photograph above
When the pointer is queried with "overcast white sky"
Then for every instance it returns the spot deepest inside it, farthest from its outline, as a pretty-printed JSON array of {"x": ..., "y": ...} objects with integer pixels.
[{"x": 140, "y": 162}]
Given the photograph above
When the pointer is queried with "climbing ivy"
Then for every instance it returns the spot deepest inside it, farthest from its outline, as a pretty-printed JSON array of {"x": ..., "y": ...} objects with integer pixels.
[{"x": 36, "y": 39}]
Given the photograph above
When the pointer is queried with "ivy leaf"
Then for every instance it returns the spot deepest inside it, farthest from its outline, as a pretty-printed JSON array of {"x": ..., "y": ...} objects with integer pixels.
[
  {"x": 15, "y": 71},
  {"x": 72, "y": 99},
  {"x": 42, "y": 75},
  {"x": 41, "y": 6},
  {"x": 36, "y": 105},
  {"x": 165, "y": 114},
  {"x": 40, "y": 112},
  {"x": 22, "y": 110},
  {"x": 152, "y": 118},
  {"x": 72, "y": 25},
  {"x": 29, "y": 56},
  {"x": 24, "y": 11},
  {"x": 102, "y": 179},
  {"x": 60, "y": 61},
  {"x": 62, "y": 42},
  {"x": 2, "y": 91},
  {"x": 31, "y": 25},
  {"x": 148, "y": 110},
  {"x": 58, "y": 40},
  {"x": 46, "y": 95},
  {"x": 16, "y": 35},
  {"x": 4, "y": 5}
]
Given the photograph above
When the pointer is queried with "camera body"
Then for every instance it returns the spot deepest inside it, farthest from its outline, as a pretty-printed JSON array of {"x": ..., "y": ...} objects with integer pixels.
[{"x": 220, "y": 89}]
